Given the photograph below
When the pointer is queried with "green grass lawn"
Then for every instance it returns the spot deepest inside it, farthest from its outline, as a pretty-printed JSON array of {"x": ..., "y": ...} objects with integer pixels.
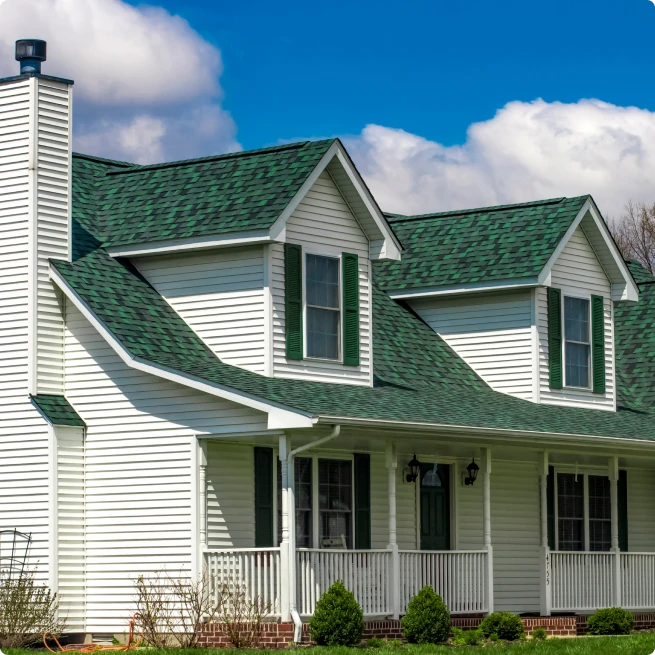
[{"x": 637, "y": 644}]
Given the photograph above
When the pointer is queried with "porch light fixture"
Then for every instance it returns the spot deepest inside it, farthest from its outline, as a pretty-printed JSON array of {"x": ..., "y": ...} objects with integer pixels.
[
  {"x": 472, "y": 469},
  {"x": 414, "y": 469}
]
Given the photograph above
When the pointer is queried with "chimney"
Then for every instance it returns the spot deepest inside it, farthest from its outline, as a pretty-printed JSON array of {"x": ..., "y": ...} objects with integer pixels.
[{"x": 35, "y": 215}]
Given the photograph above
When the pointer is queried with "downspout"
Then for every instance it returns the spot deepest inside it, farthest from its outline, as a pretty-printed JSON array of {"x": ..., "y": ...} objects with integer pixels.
[{"x": 297, "y": 632}]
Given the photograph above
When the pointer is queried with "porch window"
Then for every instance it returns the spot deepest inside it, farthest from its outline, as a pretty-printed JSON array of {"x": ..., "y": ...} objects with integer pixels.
[
  {"x": 302, "y": 484},
  {"x": 583, "y": 512},
  {"x": 323, "y": 307},
  {"x": 335, "y": 493},
  {"x": 577, "y": 347}
]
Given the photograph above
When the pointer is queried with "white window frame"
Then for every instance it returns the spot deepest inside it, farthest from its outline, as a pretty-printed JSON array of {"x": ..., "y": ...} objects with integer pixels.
[
  {"x": 330, "y": 255},
  {"x": 585, "y": 473},
  {"x": 580, "y": 296}
]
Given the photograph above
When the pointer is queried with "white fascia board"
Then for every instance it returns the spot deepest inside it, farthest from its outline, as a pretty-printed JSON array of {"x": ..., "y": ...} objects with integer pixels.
[
  {"x": 480, "y": 287},
  {"x": 528, "y": 438},
  {"x": 629, "y": 290},
  {"x": 279, "y": 417},
  {"x": 192, "y": 243},
  {"x": 392, "y": 249}
]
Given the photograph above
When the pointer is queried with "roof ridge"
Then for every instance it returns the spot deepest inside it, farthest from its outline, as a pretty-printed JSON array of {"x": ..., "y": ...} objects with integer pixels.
[
  {"x": 227, "y": 155},
  {"x": 398, "y": 218},
  {"x": 104, "y": 160}
]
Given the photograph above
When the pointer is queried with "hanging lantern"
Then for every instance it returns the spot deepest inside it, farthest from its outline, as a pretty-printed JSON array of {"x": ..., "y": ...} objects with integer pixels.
[
  {"x": 414, "y": 469},
  {"x": 472, "y": 470}
]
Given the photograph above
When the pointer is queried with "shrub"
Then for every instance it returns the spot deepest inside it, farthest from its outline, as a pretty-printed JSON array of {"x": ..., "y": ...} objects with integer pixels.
[
  {"x": 506, "y": 625},
  {"x": 375, "y": 642},
  {"x": 467, "y": 637},
  {"x": 611, "y": 621},
  {"x": 427, "y": 620},
  {"x": 338, "y": 619},
  {"x": 539, "y": 634}
]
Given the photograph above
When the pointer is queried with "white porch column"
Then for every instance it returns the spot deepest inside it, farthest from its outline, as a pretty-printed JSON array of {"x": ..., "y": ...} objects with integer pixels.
[
  {"x": 286, "y": 564},
  {"x": 202, "y": 498},
  {"x": 613, "y": 466},
  {"x": 486, "y": 509},
  {"x": 546, "y": 589},
  {"x": 391, "y": 460}
]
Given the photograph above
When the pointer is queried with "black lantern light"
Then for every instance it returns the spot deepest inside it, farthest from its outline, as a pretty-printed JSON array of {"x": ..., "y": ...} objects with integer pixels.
[
  {"x": 414, "y": 469},
  {"x": 472, "y": 469}
]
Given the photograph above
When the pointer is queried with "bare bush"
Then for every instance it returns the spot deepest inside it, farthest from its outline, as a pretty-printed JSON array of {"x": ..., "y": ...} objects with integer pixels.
[
  {"x": 171, "y": 610},
  {"x": 242, "y": 615},
  {"x": 634, "y": 233},
  {"x": 27, "y": 611}
]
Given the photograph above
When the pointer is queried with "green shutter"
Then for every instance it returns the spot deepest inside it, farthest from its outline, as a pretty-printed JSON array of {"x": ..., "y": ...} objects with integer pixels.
[
  {"x": 350, "y": 264},
  {"x": 555, "y": 337},
  {"x": 598, "y": 343},
  {"x": 263, "y": 497},
  {"x": 362, "y": 501},
  {"x": 293, "y": 300},
  {"x": 550, "y": 503},
  {"x": 623, "y": 510}
]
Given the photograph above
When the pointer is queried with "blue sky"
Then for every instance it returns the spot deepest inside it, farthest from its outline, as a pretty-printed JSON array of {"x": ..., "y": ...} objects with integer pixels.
[{"x": 297, "y": 69}]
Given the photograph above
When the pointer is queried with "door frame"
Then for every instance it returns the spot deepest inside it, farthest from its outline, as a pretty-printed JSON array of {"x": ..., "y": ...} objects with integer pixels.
[{"x": 452, "y": 491}]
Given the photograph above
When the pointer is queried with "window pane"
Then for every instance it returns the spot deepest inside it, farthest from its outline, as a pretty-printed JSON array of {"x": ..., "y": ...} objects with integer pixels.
[
  {"x": 570, "y": 510},
  {"x": 576, "y": 319},
  {"x": 322, "y": 333},
  {"x": 577, "y": 365},
  {"x": 322, "y": 281},
  {"x": 335, "y": 499},
  {"x": 600, "y": 513},
  {"x": 303, "y": 499}
]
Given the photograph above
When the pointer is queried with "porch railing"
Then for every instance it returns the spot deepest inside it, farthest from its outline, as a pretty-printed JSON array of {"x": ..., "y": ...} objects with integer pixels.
[
  {"x": 255, "y": 570},
  {"x": 367, "y": 573},
  {"x": 582, "y": 581},
  {"x": 637, "y": 580},
  {"x": 458, "y": 576}
]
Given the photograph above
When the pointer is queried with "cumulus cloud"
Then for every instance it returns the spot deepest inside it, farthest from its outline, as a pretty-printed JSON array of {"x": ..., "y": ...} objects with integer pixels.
[
  {"x": 527, "y": 151},
  {"x": 136, "y": 71}
]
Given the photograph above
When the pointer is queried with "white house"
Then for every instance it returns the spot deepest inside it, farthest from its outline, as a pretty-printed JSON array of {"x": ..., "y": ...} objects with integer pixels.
[{"x": 239, "y": 362}]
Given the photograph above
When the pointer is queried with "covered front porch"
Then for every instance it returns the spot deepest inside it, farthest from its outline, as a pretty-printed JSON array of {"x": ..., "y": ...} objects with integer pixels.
[{"x": 539, "y": 531}]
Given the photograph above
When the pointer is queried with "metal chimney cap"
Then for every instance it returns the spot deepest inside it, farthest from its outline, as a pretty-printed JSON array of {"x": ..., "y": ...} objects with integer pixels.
[{"x": 34, "y": 49}]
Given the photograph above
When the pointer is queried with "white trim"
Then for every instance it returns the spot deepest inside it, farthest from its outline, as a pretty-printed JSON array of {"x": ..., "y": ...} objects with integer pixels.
[
  {"x": 278, "y": 416},
  {"x": 578, "y": 295},
  {"x": 70, "y": 173},
  {"x": 269, "y": 350},
  {"x": 196, "y": 546},
  {"x": 53, "y": 514},
  {"x": 534, "y": 334},
  {"x": 191, "y": 243},
  {"x": 478, "y": 287},
  {"x": 32, "y": 247}
]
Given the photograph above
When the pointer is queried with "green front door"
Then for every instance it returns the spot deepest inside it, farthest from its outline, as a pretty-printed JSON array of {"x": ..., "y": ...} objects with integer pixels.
[{"x": 435, "y": 507}]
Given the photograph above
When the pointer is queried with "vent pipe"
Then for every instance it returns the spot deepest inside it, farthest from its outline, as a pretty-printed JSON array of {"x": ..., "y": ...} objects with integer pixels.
[{"x": 30, "y": 53}]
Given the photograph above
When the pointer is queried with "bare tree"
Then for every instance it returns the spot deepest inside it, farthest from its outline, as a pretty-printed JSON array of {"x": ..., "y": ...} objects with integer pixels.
[{"x": 634, "y": 233}]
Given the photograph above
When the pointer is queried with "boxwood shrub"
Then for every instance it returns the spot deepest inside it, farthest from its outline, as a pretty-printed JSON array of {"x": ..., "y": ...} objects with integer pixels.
[
  {"x": 506, "y": 625},
  {"x": 611, "y": 621},
  {"x": 338, "y": 619},
  {"x": 427, "y": 620}
]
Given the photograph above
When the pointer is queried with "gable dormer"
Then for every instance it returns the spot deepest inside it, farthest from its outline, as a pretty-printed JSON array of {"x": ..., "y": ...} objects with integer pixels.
[{"x": 523, "y": 293}]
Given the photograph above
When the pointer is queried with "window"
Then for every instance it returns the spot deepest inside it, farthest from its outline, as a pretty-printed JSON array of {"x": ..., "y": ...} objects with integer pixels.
[
  {"x": 583, "y": 524},
  {"x": 577, "y": 346},
  {"x": 302, "y": 484},
  {"x": 335, "y": 494},
  {"x": 323, "y": 308}
]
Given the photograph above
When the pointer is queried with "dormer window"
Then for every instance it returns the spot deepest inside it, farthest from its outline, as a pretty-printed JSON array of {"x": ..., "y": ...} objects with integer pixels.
[
  {"x": 577, "y": 346},
  {"x": 323, "y": 308}
]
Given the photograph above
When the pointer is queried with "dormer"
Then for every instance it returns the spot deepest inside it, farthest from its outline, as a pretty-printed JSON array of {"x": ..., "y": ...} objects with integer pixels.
[
  {"x": 273, "y": 267},
  {"x": 523, "y": 293}
]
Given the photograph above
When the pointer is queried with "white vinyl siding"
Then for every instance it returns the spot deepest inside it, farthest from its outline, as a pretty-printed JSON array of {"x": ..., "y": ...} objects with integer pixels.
[
  {"x": 641, "y": 511},
  {"x": 220, "y": 295},
  {"x": 24, "y": 479},
  {"x": 70, "y": 530},
  {"x": 52, "y": 225},
  {"x": 322, "y": 224},
  {"x": 577, "y": 272},
  {"x": 139, "y": 468},
  {"x": 491, "y": 333}
]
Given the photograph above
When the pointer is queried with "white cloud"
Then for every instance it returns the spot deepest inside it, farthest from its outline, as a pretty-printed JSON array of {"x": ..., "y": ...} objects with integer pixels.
[
  {"x": 136, "y": 71},
  {"x": 527, "y": 151}
]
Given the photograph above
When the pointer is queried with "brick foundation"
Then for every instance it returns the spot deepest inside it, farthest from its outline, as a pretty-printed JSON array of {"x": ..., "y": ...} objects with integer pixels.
[{"x": 280, "y": 635}]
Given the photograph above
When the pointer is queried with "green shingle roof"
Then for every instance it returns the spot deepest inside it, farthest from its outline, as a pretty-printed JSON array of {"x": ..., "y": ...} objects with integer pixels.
[
  {"x": 507, "y": 242},
  {"x": 242, "y": 191},
  {"x": 58, "y": 410}
]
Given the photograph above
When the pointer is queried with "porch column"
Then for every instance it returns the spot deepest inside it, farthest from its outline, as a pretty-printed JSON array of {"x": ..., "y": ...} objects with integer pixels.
[
  {"x": 391, "y": 460},
  {"x": 202, "y": 498},
  {"x": 613, "y": 466},
  {"x": 486, "y": 509},
  {"x": 285, "y": 551},
  {"x": 546, "y": 591}
]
